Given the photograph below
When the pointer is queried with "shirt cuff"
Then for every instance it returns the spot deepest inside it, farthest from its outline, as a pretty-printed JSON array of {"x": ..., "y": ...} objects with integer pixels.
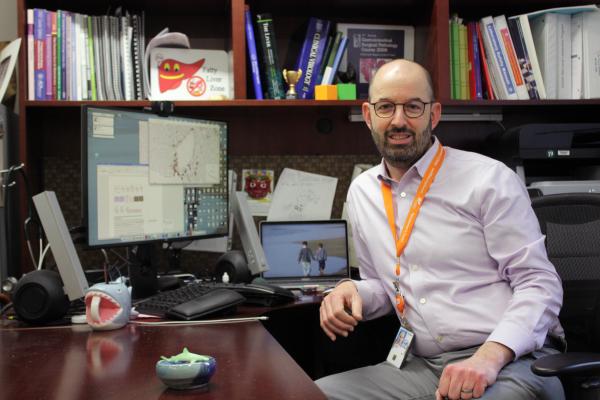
[{"x": 513, "y": 337}]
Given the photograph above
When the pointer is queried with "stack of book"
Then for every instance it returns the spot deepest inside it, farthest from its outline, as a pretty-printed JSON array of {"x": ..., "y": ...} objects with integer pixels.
[
  {"x": 547, "y": 54},
  {"x": 319, "y": 58},
  {"x": 73, "y": 56}
]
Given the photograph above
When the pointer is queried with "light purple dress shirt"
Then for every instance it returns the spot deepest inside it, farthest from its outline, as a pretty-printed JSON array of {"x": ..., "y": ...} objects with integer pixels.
[{"x": 475, "y": 268}]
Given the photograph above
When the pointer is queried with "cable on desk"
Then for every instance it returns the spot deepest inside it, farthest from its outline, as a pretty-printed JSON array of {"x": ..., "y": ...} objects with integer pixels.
[{"x": 201, "y": 322}]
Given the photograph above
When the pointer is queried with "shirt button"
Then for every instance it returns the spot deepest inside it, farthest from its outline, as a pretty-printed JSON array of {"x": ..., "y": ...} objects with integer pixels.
[
  {"x": 414, "y": 267},
  {"x": 439, "y": 338},
  {"x": 403, "y": 194},
  {"x": 423, "y": 300}
]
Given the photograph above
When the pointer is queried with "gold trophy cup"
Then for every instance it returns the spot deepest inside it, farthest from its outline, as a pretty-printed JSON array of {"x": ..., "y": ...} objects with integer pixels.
[{"x": 291, "y": 78}]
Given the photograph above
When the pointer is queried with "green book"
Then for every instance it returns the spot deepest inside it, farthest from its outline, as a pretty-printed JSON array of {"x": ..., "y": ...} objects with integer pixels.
[
  {"x": 91, "y": 63},
  {"x": 455, "y": 58},
  {"x": 464, "y": 62}
]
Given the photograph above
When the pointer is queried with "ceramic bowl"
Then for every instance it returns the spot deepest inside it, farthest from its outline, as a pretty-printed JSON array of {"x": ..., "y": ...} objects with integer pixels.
[{"x": 186, "y": 374}]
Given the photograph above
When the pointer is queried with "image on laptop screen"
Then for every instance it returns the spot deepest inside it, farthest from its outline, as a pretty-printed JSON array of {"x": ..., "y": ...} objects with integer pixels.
[{"x": 305, "y": 250}]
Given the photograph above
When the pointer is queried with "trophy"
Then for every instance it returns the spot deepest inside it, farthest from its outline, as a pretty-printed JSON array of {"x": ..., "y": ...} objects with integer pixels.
[{"x": 291, "y": 78}]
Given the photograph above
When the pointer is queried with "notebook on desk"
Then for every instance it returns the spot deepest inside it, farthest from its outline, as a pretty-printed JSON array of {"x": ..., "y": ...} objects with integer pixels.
[{"x": 305, "y": 253}]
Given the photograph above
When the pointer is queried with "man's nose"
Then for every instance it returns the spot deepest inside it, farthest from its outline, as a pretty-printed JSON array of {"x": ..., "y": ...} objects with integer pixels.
[{"x": 398, "y": 118}]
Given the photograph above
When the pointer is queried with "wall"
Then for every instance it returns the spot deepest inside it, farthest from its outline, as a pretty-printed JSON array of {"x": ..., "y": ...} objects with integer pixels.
[{"x": 8, "y": 20}]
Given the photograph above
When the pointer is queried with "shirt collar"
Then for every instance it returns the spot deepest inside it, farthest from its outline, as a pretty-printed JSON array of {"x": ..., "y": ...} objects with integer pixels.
[{"x": 420, "y": 166}]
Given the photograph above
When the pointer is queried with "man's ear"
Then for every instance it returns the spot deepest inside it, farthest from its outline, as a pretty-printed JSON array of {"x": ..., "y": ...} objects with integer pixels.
[
  {"x": 436, "y": 114},
  {"x": 366, "y": 112}
]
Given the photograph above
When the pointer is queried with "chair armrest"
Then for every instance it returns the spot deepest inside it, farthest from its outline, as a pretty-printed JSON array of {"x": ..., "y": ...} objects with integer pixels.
[{"x": 567, "y": 363}]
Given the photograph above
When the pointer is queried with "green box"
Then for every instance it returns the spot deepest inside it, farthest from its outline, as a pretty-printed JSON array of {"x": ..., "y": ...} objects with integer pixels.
[{"x": 346, "y": 91}]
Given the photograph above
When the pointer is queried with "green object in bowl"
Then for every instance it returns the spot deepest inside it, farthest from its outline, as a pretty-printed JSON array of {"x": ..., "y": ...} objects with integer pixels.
[{"x": 186, "y": 370}]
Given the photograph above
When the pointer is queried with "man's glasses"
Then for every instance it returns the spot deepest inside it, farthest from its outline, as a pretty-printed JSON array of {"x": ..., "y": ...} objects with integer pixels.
[{"x": 411, "y": 109}]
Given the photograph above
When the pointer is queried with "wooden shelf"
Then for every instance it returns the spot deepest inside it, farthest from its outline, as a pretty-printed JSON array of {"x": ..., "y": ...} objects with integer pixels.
[
  {"x": 200, "y": 104},
  {"x": 314, "y": 103}
]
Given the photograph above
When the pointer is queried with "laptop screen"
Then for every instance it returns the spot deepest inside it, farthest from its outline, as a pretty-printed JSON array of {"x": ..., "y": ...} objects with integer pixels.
[{"x": 305, "y": 250}]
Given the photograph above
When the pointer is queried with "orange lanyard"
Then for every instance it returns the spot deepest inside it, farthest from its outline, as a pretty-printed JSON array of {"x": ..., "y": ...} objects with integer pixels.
[{"x": 415, "y": 207}]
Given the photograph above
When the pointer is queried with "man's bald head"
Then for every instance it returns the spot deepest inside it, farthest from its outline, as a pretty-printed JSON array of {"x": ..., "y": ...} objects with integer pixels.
[{"x": 401, "y": 68}]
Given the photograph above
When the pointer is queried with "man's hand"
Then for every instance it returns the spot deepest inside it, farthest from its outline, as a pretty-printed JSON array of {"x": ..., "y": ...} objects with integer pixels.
[
  {"x": 469, "y": 378},
  {"x": 341, "y": 310}
]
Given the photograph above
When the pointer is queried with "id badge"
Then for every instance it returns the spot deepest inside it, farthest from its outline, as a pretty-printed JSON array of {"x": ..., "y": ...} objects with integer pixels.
[{"x": 400, "y": 347}]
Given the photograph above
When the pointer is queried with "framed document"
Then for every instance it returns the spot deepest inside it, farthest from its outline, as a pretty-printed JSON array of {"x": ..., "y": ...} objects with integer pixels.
[{"x": 371, "y": 46}]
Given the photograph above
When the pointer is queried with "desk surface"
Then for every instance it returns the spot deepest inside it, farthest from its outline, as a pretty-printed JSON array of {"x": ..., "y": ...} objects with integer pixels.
[{"x": 69, "y": 363}]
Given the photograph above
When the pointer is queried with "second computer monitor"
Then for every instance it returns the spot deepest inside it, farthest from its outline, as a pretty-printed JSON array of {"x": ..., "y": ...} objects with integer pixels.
[{"x": 152, "y": 178}]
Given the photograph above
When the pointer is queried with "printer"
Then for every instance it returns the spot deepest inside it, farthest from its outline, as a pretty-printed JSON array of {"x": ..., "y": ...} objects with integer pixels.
[{"x": 553, "y": 158}]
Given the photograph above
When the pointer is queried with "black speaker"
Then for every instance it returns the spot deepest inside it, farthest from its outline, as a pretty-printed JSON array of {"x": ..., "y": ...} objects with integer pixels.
[
  {"x": 39, "y": 297},
  {"x": 234, "y": 263},
  {"x": 143, "y": 273}
]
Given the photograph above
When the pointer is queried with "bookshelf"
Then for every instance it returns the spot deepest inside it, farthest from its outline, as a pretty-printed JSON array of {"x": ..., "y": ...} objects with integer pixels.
[{"x": 277, "y": 127}]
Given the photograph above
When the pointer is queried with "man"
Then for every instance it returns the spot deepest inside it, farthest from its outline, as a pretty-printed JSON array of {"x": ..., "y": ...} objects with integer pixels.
[
  {"x": 305, "y": 256},
  {"x": 464, "y": 268},
  {"x": 321, "y": 258}
]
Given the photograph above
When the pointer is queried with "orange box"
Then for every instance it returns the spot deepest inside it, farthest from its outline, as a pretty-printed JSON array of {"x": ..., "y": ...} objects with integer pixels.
[{"x": 325, "y": 92}]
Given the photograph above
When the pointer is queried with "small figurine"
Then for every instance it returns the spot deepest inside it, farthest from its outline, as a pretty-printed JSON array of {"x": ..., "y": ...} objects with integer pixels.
[
  {"x": 107, "y": 306},
  {"x": 186, "y": 370}
]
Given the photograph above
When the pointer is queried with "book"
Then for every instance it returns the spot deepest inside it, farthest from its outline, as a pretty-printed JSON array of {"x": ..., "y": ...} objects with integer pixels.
[
  {"x": 463, "y": 62},
  {"x": 328, "y": 72},
  {"x": 591, "y": 52},
  {"x": 59, "y": 53},
  {"x": 189, "y": 74},
  {"x": 48, "y": 55},
  {"x": 577, "y": 56},
  {"x": 311, "y": 56},
  {"x": 504, "y": 85},
  {"x": 337, "y": 61},
  {"x": 252, "y": 55},
  {"x": 454, "y": 58},
  {"x": 125, "y": 38},
  {"x": 136, "y": 54},
  {"x": 516, "y": 33},
  {"x": 104, "y": 25},
  {"x": 509, "y": 54},
  {"x": 325, "y": 58},
  {"x": 63, "y": 54},
  {"x": 544, "y": 29},
  {"x": 475, "y": 84},
  {"x": 99, "y": 71},
  {"x": 371, "y": 46},
  {"x": 270, "y": 61},
  {"x": 39, "y": 32},
  {"x": 487, "y": 87},
  {"x": 30, "y": 56},
  {"x": 532, "y": 53}
]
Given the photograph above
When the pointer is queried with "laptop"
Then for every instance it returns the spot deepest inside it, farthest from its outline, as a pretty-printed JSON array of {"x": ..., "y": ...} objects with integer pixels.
[{"x": 303, "y": 254}]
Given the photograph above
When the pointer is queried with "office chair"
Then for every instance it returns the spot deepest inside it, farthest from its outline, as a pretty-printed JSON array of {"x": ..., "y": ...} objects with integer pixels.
[{"x": 571, "y": 223}]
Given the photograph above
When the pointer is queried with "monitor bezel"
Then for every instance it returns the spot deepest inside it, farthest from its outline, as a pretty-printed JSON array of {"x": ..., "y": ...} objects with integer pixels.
[{"x": 84, "y": 178}]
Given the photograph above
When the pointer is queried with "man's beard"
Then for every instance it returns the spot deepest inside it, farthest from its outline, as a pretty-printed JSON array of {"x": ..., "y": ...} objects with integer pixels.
[{"x": 403, "y": 156}]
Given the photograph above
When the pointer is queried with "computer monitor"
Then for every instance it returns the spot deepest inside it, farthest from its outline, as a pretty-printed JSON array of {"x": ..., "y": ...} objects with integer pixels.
[{"x": 149, "y": 178}]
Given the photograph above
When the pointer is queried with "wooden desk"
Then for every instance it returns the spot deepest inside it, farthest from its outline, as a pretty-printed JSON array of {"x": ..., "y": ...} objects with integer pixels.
[{"x": 72, "y": 363}]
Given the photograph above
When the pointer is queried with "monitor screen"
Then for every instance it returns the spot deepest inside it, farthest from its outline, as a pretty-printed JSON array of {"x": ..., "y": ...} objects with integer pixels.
[{"x": 152, "y": 178}]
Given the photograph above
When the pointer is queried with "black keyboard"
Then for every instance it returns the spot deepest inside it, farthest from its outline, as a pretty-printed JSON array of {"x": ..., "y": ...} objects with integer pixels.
[
  {"x": 209, "y": 299},
  {"x": 190, "y": 302}
]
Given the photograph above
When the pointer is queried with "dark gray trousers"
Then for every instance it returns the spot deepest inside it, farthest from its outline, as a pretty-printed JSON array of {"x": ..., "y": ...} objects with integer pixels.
[{"x": 418, "y": 380}]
